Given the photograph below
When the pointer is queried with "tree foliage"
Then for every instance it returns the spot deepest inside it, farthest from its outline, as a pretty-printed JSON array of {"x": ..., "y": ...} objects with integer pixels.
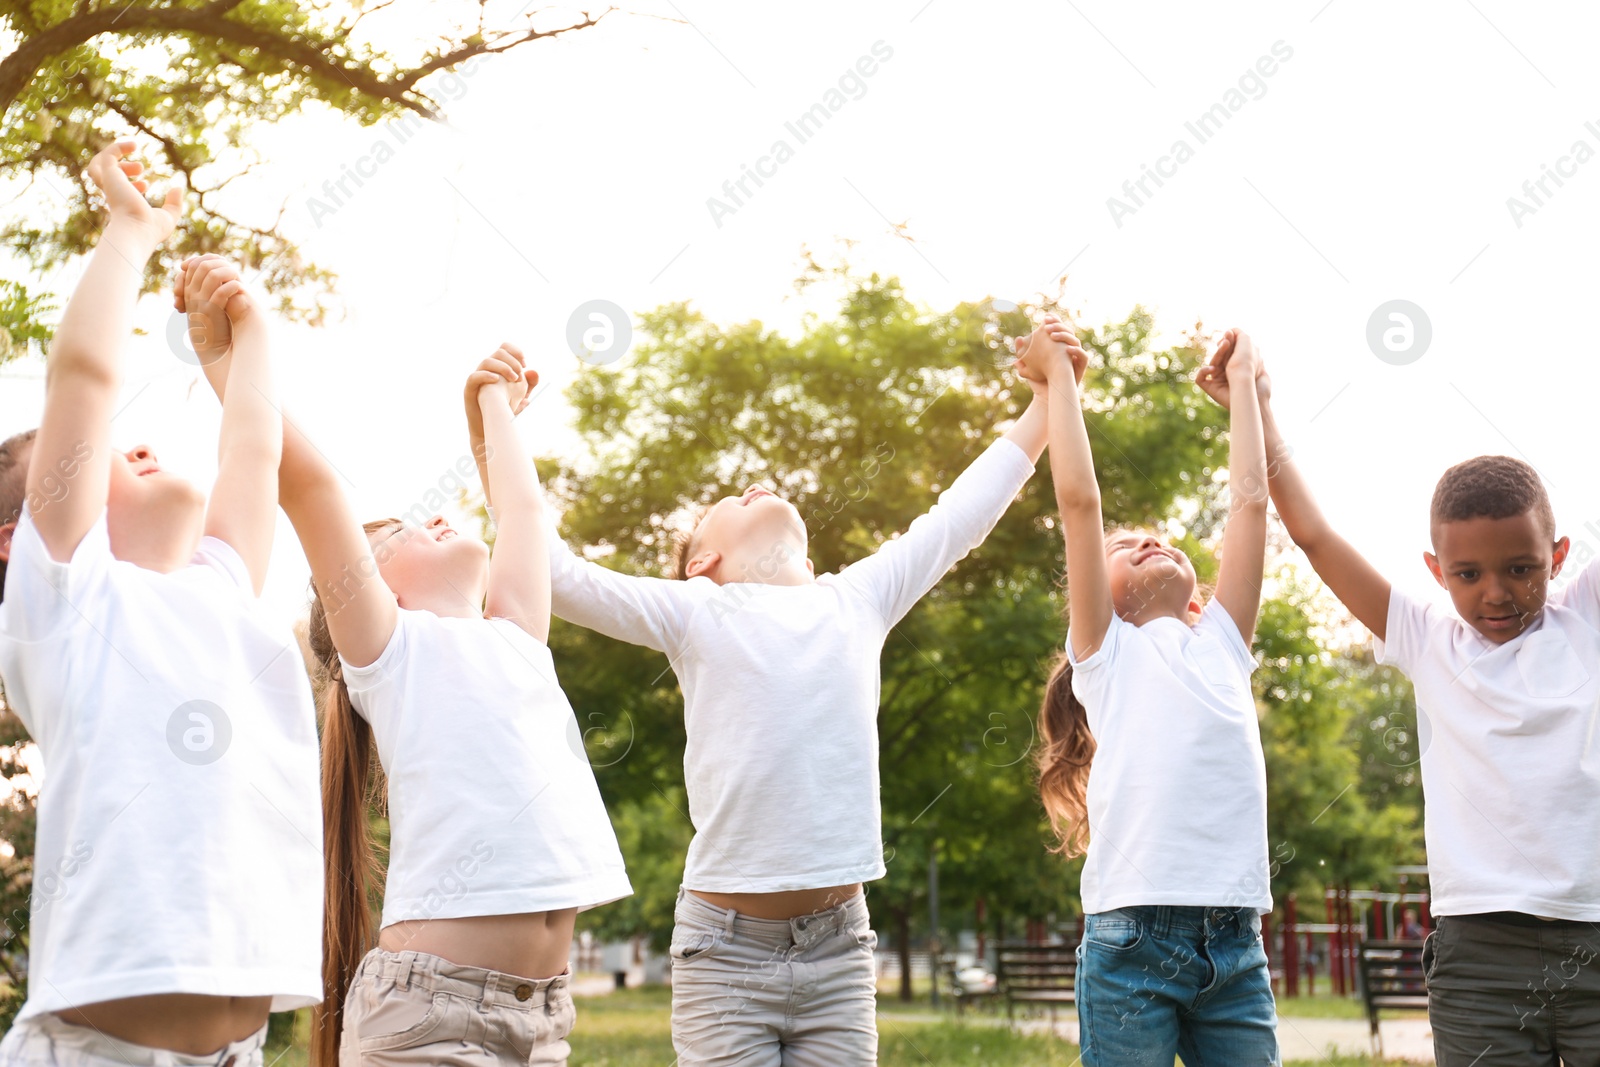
[{"x": 197, "y": 78}]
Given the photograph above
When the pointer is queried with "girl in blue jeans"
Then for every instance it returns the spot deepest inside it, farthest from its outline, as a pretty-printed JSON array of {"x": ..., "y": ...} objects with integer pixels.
[{"x": 1154, "y": 691}]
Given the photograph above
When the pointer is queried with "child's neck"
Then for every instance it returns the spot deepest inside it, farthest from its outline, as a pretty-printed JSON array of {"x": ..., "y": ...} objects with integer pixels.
[
  {"x": 447, "y": 602},
  {"x": 1147, "y": 612},
  {"x": 775, "y": 568}
]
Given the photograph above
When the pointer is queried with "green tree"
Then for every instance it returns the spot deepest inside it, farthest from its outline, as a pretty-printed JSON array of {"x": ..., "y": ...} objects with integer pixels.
[
  {"x": 196, "y": 77},
  {"x": 1332, "y": 818}
]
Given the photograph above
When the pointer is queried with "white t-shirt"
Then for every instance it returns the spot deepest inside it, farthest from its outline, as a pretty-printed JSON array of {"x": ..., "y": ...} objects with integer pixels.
[
  {"x": 180, "y": 820},
  {"x": 1178, "y": 787},
  {"x": 1510, "y": 742},
  {"x": 493, "y": 808},
  {"x": 781, "y": 685}
]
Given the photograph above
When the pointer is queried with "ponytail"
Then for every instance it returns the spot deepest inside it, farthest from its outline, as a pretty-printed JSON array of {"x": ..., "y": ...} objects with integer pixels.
[
  {"x": 1065, "y": 752},
  {"x": 349, "y": 791}
]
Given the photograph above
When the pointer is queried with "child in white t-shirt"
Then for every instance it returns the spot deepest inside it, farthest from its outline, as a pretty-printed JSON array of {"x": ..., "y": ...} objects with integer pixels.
[
  {"x": 1508, "y": 709},
  {"x": 435, "y": 656},
  {"x": 1151, "y": 750},
  {"x": 177, "y": 879},
  {"x": 772, "y": 948}
]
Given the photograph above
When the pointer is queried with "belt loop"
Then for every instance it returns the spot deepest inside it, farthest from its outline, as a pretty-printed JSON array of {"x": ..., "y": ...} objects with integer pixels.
[
  {"x": 491, "y": 986},
  {"x": 727, "y": 921},
  {"x": 403, "y": 980}
]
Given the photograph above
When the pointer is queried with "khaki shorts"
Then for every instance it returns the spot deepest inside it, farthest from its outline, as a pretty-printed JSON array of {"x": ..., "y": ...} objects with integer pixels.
[
  {"x": 49, "y": 1041},
  {"x": 410, "y": 1008},
  {"x": 774, "y": 993}
]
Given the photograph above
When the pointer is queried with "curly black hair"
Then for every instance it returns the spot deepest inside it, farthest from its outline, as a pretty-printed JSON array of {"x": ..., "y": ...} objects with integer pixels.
[{"x": 1492, "y": 487}]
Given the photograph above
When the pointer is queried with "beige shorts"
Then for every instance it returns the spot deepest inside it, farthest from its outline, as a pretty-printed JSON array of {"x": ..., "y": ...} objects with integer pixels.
[
  {"x": 410, "y": 1008},
  {"x": 764, "y": 993},
  {"x": 49, "y": 1041}
]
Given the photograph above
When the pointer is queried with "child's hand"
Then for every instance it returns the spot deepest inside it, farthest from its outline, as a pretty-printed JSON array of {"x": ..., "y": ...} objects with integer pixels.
[
  {"x": 1050, "y": 350},
  {"x": 1243, "y": 364},
  {"x": 505, "y": 368},
  {"x": 124, "y": 190},
  {"x": 210, "y": 292},
  {"x": 1236, "y": 356}
]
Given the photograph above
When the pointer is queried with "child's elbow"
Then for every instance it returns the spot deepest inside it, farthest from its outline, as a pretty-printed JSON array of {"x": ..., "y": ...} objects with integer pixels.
[{"x": 1078, "y": 501}]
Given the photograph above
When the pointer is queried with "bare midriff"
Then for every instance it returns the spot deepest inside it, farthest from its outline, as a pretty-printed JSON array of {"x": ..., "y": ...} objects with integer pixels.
[
  {"x": 191, "y": 1023},
  {"x": 530, "y": 945},
  {"x": 786, "y": 905}
]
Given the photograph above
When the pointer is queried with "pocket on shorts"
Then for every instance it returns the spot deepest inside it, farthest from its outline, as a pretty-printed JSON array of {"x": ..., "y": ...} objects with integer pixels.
[
  {"x": 400, "y": 1018},
  {"x": 1430, "y": 957},
  {"x": 1115, "y": 935},
  {"x": 691, "y": 943}
]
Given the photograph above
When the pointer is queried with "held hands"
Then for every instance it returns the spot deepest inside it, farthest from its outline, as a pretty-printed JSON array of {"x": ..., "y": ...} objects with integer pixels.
[
  {"x": 1051, "y": 350},
  {"x": 1235, "y": 364},
  {"x": 119, "y": 179},
  {"x": 210, "y": 291},
  {"x": 504, "y": 374}
]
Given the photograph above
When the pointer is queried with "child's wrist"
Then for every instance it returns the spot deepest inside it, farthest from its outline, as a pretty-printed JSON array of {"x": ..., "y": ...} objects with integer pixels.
[{"x": 130, "y": 235}]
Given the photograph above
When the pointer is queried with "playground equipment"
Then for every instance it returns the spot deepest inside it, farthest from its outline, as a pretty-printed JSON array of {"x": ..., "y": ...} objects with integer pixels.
[{"x": 1299, "y": 949}]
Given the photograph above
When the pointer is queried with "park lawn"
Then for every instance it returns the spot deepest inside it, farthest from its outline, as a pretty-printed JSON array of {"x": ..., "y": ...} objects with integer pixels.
[{"x": 633, "y": 1029}]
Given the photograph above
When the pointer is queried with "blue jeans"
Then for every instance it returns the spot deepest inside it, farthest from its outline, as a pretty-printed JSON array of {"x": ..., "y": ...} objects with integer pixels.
[{"x": 1156, "y": 982}]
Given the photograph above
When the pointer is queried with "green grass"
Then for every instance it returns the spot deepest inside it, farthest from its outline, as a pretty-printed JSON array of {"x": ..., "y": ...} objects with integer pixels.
[{"x": 632, "y": 1028}]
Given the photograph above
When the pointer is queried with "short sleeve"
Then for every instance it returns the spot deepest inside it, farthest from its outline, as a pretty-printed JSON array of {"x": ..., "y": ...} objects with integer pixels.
[
  {"x": 1581, "y": 595},
  {"x": 365, "y": 679},
  {"x": 221, "y": 557},
  {"x": 1405, "y": 631},
  {"x": 1090, "y": 674},
  {"x": 1215, "y": 620},
  {"x": 43, "y": 593}
]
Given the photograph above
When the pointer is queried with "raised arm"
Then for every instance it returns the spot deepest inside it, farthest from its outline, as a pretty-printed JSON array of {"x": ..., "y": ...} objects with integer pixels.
[
  {"x": 1053, "y": 355},
  {"x": 1356, "y": 582},
  {"x": 652, "y": 612},
  {"x": 519, "y": 569},
  {"x": 360, "y": 607},
  {"x": 1229, "y": 378},
  {"x": 73, "y": 445},
  {"x": 243, "y": 509}
]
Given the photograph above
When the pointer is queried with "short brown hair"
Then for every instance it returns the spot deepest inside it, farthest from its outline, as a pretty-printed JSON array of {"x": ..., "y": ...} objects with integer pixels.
[{"x": 1492, "y": 487}]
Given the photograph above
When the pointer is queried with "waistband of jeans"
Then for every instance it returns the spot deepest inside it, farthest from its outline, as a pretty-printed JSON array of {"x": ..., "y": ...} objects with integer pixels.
[
  {"x": 90, "y": 1040},
  {"x": 1523, "y": 919},
  {"x": 776, "y": 933},
  {"x": 438, "y": 975},
  {"x": 1163, "y": 917}
]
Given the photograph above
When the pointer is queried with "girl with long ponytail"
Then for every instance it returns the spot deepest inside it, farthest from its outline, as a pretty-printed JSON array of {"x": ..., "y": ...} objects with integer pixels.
[
  {"x": 350, "y": 790},
  {"x": 435, "y": 656},
  {"x": 1066, "y": 748},
  {"x": 1153, "y": 689}
]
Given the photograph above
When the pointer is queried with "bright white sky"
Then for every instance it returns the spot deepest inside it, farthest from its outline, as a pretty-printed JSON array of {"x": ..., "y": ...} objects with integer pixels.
[{"x": 1376, "y": 165}]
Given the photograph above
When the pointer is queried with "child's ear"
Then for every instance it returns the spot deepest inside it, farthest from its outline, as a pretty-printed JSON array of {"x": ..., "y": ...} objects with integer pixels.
[
  {"x": 702, "y": 563},
  {"x": 811, "y": 568},
  {"x": 5, "y": 540},
  {"x": 1559, "y": 556},
  {"x": 1195, "y": 607},
  {"x": 1433, "y": 567}
]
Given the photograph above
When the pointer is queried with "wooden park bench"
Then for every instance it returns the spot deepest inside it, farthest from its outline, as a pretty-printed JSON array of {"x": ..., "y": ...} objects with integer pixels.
[
  {"x": 961, "y": 992},
  {"x": 1391, "y": 977},
  {"x": 1037, "y": 974}
]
